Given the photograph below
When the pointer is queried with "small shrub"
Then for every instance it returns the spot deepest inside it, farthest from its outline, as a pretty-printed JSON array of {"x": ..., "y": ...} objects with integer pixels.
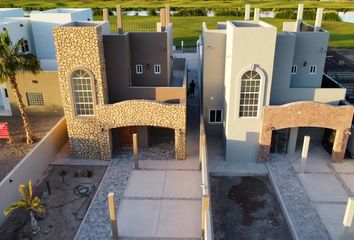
[{"x": 152, "y": 12}]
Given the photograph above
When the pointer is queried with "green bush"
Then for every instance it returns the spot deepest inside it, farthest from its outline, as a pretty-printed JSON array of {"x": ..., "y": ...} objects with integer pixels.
[
  {"x": 286, "y": 14},
  {"x": 152, "y": 12},
  {"x": 307, "y": 15},
  {"x": 292, "y": 14},
  {"x": 97, "y": 11},
  {"x": 229, "y": 12},
  {"x": 191, "y": 12},
  {"x": 331, "y": 16}
]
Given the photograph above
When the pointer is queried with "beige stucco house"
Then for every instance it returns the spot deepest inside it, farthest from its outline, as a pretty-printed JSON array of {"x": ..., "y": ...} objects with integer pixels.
[
  {"x": 116, "y": 84},
  {"x": 264, "y": 90}
]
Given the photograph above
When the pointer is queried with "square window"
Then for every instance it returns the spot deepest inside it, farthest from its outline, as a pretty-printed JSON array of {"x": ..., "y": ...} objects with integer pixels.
[
  {"x": 215, "y": 116},
  {"x": 139, "y": 69},
  {"x": 157, "y": 69},
  {"x": 293, "y": 69},
  {"x": 313, "y": 69},
  {"x": 34, "y": 99}
]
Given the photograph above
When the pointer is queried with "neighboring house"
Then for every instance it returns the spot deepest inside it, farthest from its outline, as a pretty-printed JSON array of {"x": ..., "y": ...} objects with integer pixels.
[
  {"x": 116, "y": 84},
  {"x": 264, "y": 90},
  {"x": 40, "y": 92}
]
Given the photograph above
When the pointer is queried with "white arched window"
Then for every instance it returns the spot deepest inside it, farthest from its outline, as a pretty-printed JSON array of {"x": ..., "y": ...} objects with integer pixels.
[
  {"x": 250, "y": 94},
  {"x": 81, "y": 82}
]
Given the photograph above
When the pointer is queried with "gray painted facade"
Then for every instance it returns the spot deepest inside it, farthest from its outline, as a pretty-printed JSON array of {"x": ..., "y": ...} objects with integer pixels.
[{"x": 236, "y": 47}]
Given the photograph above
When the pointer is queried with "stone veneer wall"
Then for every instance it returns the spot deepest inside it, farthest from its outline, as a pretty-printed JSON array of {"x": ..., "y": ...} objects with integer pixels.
[
  {"x": 90, "y": 137},
  {"x": 82, "y": 47},
  {"x": 306, "y": 114}
]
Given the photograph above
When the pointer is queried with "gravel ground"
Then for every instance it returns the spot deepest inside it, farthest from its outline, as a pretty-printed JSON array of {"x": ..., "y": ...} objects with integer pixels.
[
  {"x": 11, "y": 154},
  {"x": 246, "y": 208},
  {"x": 65, "y": 210}
]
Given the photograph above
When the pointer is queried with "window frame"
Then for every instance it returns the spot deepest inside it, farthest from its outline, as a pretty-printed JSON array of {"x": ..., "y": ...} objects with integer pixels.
[
  {"x": 293, "y": 67},
  {"x": 315, "y": 69},
  {"x": 31, "y": 103},
  {"x": 261, "y": 93},
  {"x": 215, "y": 122},
  {"x": 159, "y": 68},
  {"x": 72, "y": 97},
  {"x": 25, "y": 46},
  {"x": 137, "y": 66}
]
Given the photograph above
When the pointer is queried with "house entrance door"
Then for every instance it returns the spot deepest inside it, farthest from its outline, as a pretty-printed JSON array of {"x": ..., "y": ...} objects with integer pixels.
[{"x": 126, "y": 136}]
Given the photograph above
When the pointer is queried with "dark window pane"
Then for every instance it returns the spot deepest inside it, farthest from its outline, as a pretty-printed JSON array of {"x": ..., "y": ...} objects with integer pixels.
[
  {"x": 218, "y": 116},
  {"x": 212, "y": 116}
]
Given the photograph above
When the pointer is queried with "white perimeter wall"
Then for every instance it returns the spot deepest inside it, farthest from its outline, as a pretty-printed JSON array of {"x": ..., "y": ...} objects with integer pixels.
[{"x": 32, "y": 166}]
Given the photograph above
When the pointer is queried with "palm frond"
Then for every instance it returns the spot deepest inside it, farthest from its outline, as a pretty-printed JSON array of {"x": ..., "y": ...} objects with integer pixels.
[
  {"x": 15, "y": 205},
  {"x": 29, "y": 63}
]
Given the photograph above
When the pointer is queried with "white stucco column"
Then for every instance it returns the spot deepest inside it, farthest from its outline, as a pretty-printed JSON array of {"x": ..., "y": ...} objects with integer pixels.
[
  {"x": 300, "y": 10},
  {"x": 305, "y": 147},
  {"x": 247, "y": 12},
  {"x": 257, "y": 12}
]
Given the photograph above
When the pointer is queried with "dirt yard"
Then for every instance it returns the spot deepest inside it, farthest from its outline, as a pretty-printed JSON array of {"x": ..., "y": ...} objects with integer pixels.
[
  {"x": 349, "y": 53},
  {"x": 246, "y": 208},
  {"x": 65, "y": 208},
  {"x": 11, "y": 154}
]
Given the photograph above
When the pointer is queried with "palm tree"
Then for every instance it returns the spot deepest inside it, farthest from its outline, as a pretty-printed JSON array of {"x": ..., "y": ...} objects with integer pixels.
[
  {"x": 28, "y": 202},
  {"x": 12, "y": 61}
]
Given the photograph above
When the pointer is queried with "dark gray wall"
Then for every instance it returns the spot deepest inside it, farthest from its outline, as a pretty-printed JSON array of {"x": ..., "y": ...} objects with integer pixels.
[
  {"x": 149, "y": 49},
  {"x": 117, "y": 59},
  {"x": 310, "y": 49}
]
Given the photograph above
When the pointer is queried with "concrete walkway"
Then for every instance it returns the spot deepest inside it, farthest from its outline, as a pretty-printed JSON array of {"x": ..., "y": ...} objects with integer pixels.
[
  {"x": 160, "y": 200},
  {"x": 314, "y": 193},
  {"x": 163, "y": 199}
]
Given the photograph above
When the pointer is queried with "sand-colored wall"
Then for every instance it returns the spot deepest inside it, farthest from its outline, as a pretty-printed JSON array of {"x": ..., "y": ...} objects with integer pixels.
[
  {"x": 44, "y": 82},
  {"x": 32, "y": 166}
]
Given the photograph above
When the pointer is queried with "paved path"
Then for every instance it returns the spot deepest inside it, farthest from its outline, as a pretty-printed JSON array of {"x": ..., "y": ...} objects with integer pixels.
[
  {"x": 163, "y": 199},
  {"x": 160, "y": 200},
  {"x": 314, "y": 193}
]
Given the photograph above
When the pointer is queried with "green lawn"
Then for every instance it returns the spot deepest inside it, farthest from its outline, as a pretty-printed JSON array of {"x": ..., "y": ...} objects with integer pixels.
[
  {"x": 174, "y": 3},
  {"x": 189, "y": 28}
]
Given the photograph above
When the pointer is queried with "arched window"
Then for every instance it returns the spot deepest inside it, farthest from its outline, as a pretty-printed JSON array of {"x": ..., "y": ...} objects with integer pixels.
[
  {"x": 81, "y": 83},
  {"x": 250, "y": 94}
]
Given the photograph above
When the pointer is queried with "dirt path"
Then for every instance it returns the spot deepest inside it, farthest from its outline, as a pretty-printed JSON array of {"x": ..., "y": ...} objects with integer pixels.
[
  {"x": 246, "y": 208},
  {"x": 11, "y": 154}
]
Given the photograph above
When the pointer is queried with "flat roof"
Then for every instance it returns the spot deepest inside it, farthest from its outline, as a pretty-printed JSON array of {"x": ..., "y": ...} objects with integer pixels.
[
  {"x": 64, "y": 10},
  {"x": 251, "y": 24}
]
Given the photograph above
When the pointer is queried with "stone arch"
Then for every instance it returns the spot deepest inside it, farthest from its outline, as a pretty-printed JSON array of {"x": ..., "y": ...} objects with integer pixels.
[
  {"x": 306, "y": 114},
  {"x": 146, "y": 113}
]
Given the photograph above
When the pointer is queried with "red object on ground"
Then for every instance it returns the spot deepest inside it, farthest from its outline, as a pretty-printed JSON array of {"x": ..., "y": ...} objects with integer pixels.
[{"x": 4, "y": 130}]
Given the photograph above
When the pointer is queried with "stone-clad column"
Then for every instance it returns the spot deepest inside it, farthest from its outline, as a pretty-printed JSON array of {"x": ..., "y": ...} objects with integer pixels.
[
  {"x": 339, "y": 145},
  {"x": 180, "y": 144},
  {"x": 264, "y": 145}
]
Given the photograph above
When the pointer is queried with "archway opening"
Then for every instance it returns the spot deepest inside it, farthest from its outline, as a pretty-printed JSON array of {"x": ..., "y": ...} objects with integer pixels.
[
  {"x": 155, "y": 143},
  {"x": 289, "y": 140}
]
